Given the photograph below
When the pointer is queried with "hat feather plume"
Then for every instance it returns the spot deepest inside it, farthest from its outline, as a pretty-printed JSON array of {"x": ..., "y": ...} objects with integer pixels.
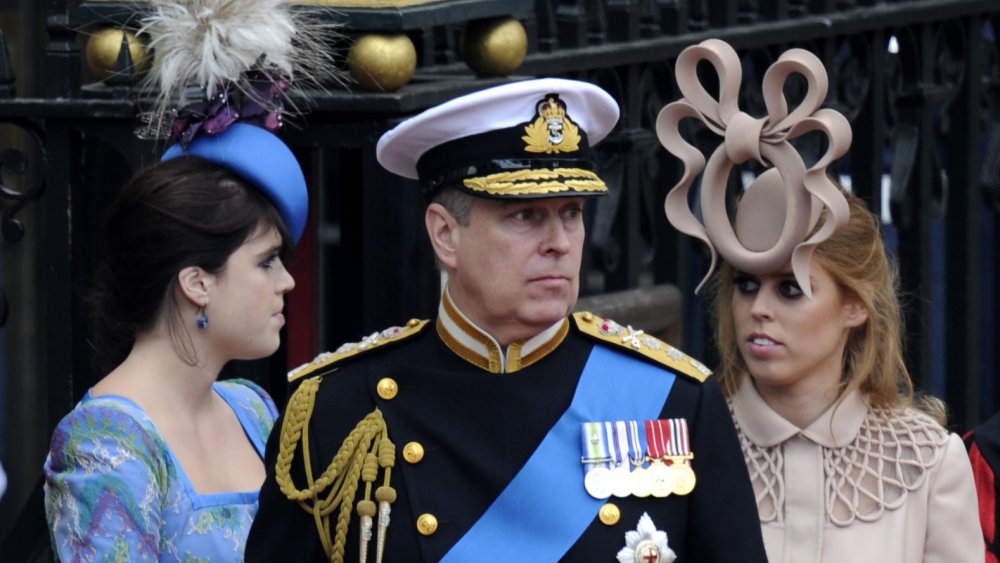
[{"x": 212, "y": 43}]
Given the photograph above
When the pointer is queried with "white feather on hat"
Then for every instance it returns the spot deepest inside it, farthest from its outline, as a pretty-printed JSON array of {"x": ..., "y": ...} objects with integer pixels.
[{"x": 210, "y": 44}]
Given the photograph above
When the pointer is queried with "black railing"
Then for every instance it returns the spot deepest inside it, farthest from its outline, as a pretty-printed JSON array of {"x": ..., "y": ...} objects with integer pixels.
[{"x": 919, "y": 80}]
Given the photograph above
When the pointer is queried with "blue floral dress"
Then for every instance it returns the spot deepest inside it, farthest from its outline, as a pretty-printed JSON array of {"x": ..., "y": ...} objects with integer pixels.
[{"x": 115, "y": 492}]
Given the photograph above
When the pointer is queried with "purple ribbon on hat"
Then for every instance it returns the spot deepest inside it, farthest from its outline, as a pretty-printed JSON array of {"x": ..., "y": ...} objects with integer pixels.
[
  {"x": 237, "y": 129},
  {"x": 756, "y": 248},
  {"x": 259, "y": 104}
]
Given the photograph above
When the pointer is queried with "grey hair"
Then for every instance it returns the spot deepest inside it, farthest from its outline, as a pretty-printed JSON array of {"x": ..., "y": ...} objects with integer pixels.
[{"x": 457, "y": 202}]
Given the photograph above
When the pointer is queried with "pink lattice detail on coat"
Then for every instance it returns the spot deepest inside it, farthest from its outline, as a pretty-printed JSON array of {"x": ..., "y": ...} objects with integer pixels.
[
  {"x": 891, "y": 456},
  {"x": 766, "y": 467}
]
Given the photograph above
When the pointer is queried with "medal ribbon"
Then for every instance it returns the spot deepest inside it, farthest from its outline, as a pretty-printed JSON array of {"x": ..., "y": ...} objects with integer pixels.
[
  {"x": 618, "y": 438},
  {"x": 657, "y": 437},
  {"x": 637, "y": 443},
  {"x": 595, "y": 448},
  {"x": 559, "y": 509},
  {"x": 679, "y": 444}
]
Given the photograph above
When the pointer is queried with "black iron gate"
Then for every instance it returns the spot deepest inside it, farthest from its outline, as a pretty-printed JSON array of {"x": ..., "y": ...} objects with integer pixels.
[{"x": 919, "y": 80}]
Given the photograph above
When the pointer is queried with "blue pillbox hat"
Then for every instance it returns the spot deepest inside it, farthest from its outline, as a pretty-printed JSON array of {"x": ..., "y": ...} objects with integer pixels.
[{"x": 262, "y": 159}]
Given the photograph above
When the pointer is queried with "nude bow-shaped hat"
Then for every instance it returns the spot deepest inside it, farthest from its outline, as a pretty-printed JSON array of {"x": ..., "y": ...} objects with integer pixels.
[{"x": 782, "y": 206}]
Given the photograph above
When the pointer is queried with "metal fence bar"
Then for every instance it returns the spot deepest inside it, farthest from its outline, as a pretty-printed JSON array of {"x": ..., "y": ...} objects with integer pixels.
[{"x": 964, "y": 227}]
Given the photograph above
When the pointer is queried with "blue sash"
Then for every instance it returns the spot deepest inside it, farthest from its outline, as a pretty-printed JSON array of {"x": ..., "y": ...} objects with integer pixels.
[{"x": 544, "y": 509}]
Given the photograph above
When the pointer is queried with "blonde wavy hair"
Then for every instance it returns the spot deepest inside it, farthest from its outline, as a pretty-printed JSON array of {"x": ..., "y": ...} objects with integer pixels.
[{"x": 856, "y": 258}]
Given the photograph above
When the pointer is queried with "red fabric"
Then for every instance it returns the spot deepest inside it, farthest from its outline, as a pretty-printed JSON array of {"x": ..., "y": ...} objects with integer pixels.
[
  {"x": 301, "y": 334},
  {"x": 986, "y": 491}
]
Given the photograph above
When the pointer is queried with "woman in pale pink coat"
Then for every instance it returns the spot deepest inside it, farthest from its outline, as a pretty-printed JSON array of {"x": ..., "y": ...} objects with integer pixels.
[{"x": 846, "y": 464}]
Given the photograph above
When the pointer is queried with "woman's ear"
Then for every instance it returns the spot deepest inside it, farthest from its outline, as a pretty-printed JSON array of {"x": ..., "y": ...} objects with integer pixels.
[
  {"x": 855, "y": 314},
  {"x": 195, "y": 284},
  {"x": 442, "y": 228}
]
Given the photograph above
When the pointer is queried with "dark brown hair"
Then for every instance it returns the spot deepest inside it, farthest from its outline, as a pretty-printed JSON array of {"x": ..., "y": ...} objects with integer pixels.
[{"x": 179, "y": 213}]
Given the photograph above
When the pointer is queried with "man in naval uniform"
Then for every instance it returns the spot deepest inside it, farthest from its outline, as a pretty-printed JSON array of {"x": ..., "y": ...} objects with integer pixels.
[{"x": 506, "y": 429}]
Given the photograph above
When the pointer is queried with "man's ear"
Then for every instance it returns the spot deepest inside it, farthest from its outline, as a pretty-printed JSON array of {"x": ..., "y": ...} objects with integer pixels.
[
  {"x": 442, "y": 228},
  {"x": 855, "y": 313},
  {"x": 195, "y": 284}
]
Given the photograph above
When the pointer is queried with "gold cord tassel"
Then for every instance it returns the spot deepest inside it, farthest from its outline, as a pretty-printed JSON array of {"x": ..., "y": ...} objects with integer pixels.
[
  {"x": 366, "y": 508},
  {"x": 366, "y": 534},
  {"x": 385, "y": 495},
  {"x": 365, "y": 450}
]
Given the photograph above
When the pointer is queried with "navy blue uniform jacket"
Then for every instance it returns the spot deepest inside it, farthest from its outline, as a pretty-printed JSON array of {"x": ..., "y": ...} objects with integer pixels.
[{"x": 478, "y": 429}]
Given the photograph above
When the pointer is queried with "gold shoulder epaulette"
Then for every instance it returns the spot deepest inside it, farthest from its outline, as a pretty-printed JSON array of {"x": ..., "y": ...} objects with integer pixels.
[
  {"x": 351, "y": 349},
  {"x": 640, "y": 343}
]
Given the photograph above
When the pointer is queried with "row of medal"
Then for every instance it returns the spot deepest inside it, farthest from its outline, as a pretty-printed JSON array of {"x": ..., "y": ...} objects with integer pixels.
[{"x": 622, "y": 459}]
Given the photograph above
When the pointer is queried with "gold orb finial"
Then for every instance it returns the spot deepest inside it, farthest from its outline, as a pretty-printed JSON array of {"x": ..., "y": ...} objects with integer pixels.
[
  {"x": 494, "y": 46},
  {"x": 382, "y": 63},
  {"x": 103, "y": 47}
]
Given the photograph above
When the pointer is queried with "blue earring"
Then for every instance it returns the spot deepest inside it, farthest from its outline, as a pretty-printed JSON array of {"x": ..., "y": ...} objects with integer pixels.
[{"x": 202, "y": 320}]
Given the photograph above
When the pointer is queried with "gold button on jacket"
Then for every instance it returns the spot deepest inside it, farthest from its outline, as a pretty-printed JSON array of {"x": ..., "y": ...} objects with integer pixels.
[
  {"x": 610, "y": 514},
  {"x": 413, "y": 452},
  {"x": 427, "y": 524},
  {"x": 387, "y": 388}
]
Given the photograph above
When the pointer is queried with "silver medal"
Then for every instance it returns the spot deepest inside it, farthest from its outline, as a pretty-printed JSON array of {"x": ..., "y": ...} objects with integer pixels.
[
  {"x": 598, "y": 482},
  {"x": 621, "y": 481}
]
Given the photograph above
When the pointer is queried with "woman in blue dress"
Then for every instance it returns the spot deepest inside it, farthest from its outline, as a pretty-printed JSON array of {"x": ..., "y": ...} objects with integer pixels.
[{"x": 161, "y": 461}]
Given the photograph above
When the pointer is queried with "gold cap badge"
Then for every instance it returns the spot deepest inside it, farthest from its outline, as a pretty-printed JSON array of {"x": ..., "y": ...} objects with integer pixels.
[{"x": 552, "y": 131}]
